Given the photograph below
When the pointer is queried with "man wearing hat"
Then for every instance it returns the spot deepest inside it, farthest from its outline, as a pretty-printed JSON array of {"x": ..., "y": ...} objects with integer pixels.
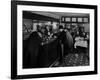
[{"x": 62, "y": 39}]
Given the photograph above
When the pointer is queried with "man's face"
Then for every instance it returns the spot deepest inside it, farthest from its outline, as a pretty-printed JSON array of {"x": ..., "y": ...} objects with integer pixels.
[
  {"x": 61, "y": 30},
  {"x": 39, "y": 29},
  {"x": 42, "y": 30}
]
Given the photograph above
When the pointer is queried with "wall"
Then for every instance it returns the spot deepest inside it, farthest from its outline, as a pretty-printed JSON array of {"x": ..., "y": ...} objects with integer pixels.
[{"x": 27, "y": 28}]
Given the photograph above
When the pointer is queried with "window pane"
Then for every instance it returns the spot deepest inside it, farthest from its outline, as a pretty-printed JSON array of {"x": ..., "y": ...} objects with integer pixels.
[
  {"x": 85, "y": 19},
  {"x": 79, "y": 19},
  {"x": 73, "y": 19},
  {"x": 68, "y": 19}
]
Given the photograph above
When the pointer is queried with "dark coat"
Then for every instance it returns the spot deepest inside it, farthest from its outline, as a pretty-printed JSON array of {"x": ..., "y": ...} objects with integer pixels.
[
  {"x": 66, "y": 39},
  {"x": 31, "y": 55}
]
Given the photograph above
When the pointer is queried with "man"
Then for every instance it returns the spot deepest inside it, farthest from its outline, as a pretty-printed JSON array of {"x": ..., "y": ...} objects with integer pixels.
[
  {"x": 65, "y": 42},
  {"x": 62, "y": 40},
  {"x": 34, "y": 42}
]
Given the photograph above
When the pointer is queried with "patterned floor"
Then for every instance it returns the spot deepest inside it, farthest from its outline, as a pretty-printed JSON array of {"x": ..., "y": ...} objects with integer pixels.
[{"x": 74, "y": 59}]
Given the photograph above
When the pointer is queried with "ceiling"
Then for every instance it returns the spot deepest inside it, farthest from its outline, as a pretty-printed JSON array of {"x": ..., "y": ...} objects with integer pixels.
[{"x": 58, "y": 15}]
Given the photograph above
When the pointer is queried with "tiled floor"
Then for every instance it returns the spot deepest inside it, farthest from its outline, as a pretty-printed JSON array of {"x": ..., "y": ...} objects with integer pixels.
[{"x": 74, "y": 59}]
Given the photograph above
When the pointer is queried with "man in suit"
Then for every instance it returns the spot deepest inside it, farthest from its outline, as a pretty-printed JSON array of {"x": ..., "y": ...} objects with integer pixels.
[
  {"x": 62, "y": 39},
  {"x": 34, "y": 42},
  {"x": 65, "y": 42}
]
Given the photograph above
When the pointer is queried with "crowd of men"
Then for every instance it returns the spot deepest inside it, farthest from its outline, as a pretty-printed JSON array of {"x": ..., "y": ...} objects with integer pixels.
[
  {"x": 36, "y": 54},
  {"x": 44, "y": 36}
]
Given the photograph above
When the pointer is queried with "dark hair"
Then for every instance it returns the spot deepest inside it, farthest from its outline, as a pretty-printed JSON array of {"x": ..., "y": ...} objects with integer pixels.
[{"x": 60, "y": 27}]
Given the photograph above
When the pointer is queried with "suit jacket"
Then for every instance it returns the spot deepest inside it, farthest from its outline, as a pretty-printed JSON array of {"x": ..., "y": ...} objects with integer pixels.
[{"x": 31, "y": 55}]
